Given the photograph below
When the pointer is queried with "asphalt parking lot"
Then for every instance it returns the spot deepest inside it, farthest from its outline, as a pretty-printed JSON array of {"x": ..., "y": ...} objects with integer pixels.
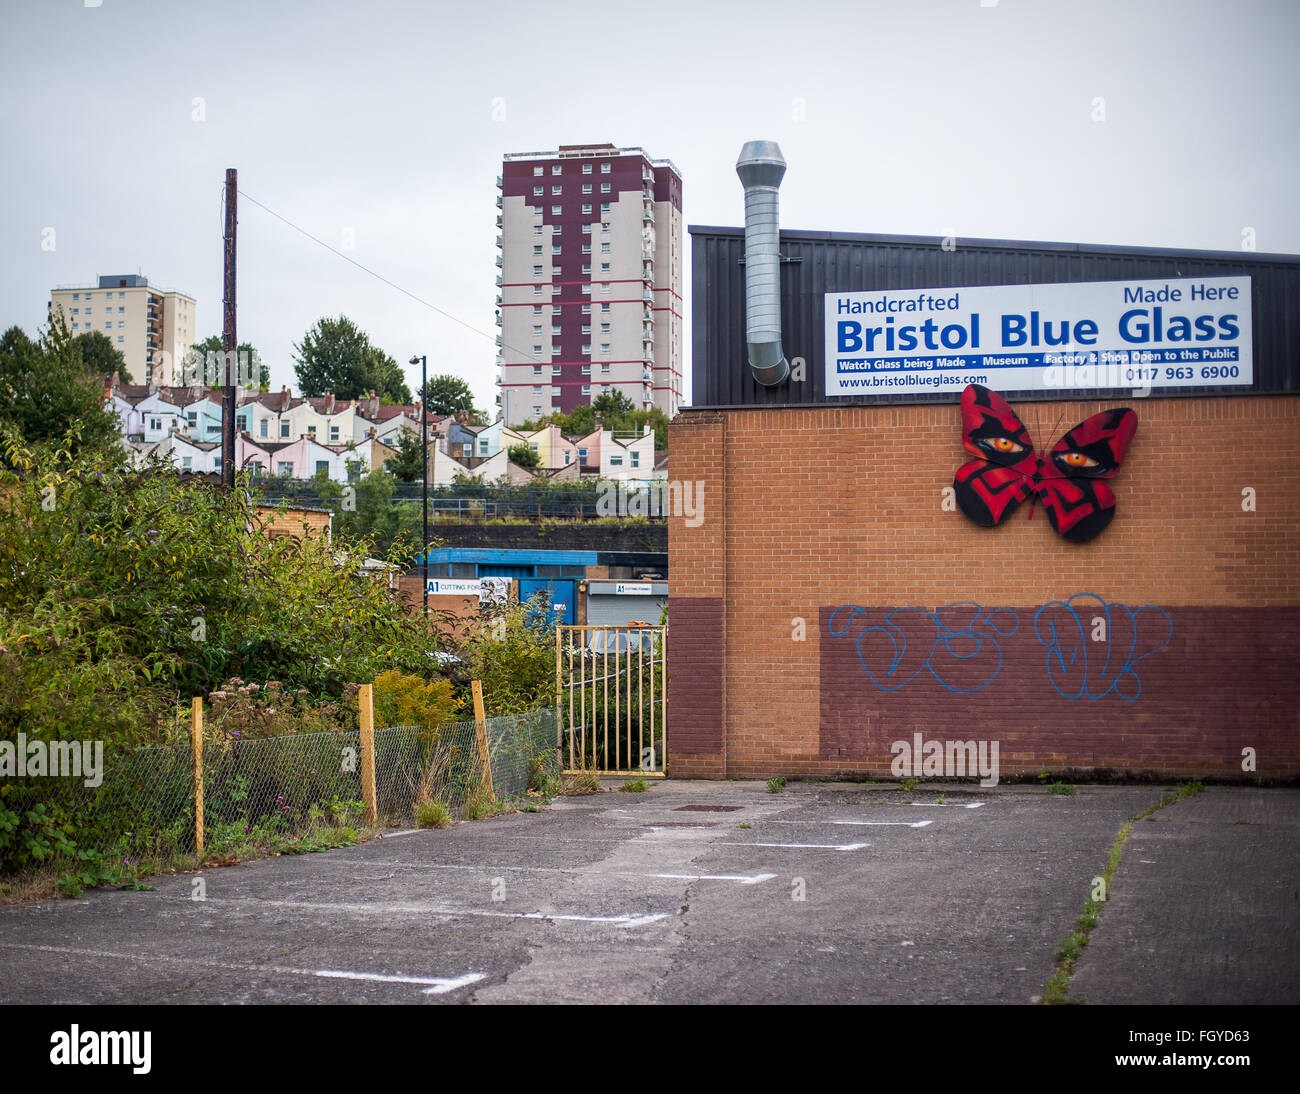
[{"x": 713, "y": 892}]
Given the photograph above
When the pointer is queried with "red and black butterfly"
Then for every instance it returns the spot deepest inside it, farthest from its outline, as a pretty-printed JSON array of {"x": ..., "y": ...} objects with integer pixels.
[{"x": 1067, "y": 479}]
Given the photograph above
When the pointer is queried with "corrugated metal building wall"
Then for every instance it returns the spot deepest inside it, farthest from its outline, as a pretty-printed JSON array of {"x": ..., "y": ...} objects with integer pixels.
[{"x": 815, "y": 263}]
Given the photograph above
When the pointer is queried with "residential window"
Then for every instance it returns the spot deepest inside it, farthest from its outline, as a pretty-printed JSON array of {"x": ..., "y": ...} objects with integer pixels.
[
  {"x": 582, "y": 452},
  {"x": 604, "y": 328},
  {"x": 537, "y": 330},
  {"x": 586, "y": 248},
  {"x": 555, "y": 169},
  {"x": 604, "y": 307},
  {"x": 155, "y": 423},
  {"x": 537, "y": 310},
  {"x": 586, "y": 347},
  {"x": 537, "y": 390},
  {"x": 604, "y": 368},
  {"x": 537, "y": 170},
  {"x": 604, "y": 347},
  {"x": 604, "y": 168},
  {"x": 555, "y": 271},
  {"x": 557, "y": 210},
  {"x": 334, "y": 433},
  {"x": 537, "y": 271},
  {"x": 120, "y": 339},
  {"x": 284, "y": 429},
  {"x": 193, "y": 416},
  {"x": 586, "y": 289},
  {"x": 262, "y": 430},
  {"x": 322, "y": 465},
  {"x": 284, "y": 468},
  {"x": 537, "y": 191},
  {"x": 482, "y": 448},
  {"x": 586, "y": 188},
  {"x": 556, "y": 229},
  {"x": 586, "y": 169},
  {"x": 586, "y": 210},
  {"x": 77, "y": 296},
  {"x": 120, "y": 324},
  {"x": 586, "y": 267},
  {"x": 537, "y": 290},
  {"x": 555, "y": 351},
  {"x": 586, "y": 328},
  {"x": 586, "y": 309},
  {"x": 555, "y": 191},
  {"x": 185, "y": 462},
  {"x": 604, "y": 208},
  {"x": 616, "y": 461},
  {"x": 586, "y": 390},
  {"x": 537, "y": 229},
  {"x": 536, "y": 411},
  {"x": 586, "y": 370},
  {"x": 604, "y": 267},
  {"x": 311, "y": 432},
  {"x": 121, "y": 311},
  {"x": 604, "y": 227},
  {"x": 555, "y": 332},
  {"x": 604, "y": 188},
  {"x": 555, "y": 248},
  {"x": 555, "y": 394},
  {"x": 636, "y": 459},
  {"x": 604, "y": 286},
  {"x": 537, "y": 369},
  {"x": 537, "y": 349},
  {"x": 555, "y": 370},
  {"x": 556, "y": 309},
  {"x": 537, "y": 248},
  {"x": 586, "y": 229}
]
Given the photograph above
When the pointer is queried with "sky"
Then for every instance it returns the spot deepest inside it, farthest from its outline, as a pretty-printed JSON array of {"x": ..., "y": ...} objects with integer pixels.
[{"x": 379, "y": 128}]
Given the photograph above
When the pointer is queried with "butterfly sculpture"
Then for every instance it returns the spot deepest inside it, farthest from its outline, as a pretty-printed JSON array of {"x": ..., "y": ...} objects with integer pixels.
[{"x": 1068, "y": 478}]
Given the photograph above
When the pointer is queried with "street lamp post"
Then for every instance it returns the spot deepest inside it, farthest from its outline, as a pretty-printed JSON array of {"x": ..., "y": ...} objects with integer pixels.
[{"x": 424, "y": 472}]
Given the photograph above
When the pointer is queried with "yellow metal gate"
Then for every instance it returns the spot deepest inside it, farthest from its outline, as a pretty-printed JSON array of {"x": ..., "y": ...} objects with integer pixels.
[{"x": 611, "y": 699}]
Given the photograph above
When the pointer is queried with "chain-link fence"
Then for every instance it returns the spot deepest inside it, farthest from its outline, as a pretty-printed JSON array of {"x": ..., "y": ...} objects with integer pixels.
[{"x": 290, "y": 792}]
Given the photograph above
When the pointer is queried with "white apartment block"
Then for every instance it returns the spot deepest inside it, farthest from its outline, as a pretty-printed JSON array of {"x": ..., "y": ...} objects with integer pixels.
[
  {"x": 590, "y": 285},
  {"x": 154, "y": 328}
]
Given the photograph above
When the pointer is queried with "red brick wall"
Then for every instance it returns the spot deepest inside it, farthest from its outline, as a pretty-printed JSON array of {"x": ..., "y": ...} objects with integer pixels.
[{"x": 809, "y": 510}]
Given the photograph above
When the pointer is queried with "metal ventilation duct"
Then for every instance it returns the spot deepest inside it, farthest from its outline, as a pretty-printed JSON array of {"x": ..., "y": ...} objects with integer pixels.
[{"x": 761, "y": 168}]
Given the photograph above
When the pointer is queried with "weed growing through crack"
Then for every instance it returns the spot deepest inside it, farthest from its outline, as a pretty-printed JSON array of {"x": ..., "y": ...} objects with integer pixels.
[
  {"x": 776, "y": 784},
  {"x": 1072, "y": 946}
]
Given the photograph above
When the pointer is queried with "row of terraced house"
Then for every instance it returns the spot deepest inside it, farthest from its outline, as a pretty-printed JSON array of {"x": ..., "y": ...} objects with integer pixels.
[{"x": 279, "y": 434}]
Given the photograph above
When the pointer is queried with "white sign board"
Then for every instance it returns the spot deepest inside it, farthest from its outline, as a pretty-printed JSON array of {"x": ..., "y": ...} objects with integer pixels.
[
  {"x": 442, "y": 586},
  {"x": 1166, "y": 333},
  {"x": 625, "y": 588}
]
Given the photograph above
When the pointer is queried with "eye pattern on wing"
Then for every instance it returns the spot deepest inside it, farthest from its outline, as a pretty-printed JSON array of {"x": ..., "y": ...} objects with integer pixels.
[{"x": 1006, "y": 469}]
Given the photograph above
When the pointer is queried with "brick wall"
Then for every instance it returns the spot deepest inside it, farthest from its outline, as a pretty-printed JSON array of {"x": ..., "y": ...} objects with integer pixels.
[{"x": 811, "y": 510}]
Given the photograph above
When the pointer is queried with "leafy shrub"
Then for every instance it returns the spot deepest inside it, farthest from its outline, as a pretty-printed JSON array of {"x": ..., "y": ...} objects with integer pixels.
[{"x": 406, "y": 700}]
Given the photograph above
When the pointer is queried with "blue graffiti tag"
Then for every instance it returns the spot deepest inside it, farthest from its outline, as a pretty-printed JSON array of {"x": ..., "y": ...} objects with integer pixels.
[
  {"x": 964, "y": 631},
  {"x": 1083, "y": 650}
]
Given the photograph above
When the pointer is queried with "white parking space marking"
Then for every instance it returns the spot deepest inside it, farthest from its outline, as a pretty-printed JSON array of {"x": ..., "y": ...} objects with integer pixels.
[
  {"x": 947, "y": 805},
  {"x": 744, "y": 879},
  {"x": 864, "y": 824},
  {"x": 808, "y": 846},
  {"x": 437, "y": 985}
]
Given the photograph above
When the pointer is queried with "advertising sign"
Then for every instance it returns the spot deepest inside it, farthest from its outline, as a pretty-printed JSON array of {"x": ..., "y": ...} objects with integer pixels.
[{"x": 1061, "y": 337}]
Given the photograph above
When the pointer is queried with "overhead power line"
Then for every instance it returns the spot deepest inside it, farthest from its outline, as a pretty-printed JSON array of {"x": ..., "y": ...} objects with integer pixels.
[{"x": 380, "y": 277}]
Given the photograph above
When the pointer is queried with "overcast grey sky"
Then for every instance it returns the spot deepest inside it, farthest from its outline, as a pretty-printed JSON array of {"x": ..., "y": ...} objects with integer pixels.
[{"x": 378, "y": 119}]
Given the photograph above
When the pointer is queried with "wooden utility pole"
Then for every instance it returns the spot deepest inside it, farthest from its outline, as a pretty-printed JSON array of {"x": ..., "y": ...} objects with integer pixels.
[{"x": 229, "y": 339}]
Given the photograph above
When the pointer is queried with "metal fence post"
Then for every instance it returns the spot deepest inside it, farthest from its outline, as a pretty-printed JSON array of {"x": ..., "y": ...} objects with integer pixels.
[
  {"x": 196, "y": 745},
  {"x": 480, "y": 731},
  {"x": 366, "y": 699}
]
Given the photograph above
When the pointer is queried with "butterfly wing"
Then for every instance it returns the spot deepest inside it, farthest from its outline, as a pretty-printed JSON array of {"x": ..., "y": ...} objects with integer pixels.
[
  {"x": 1078, "y": 502},
  {"x": 989, "y": 488}
]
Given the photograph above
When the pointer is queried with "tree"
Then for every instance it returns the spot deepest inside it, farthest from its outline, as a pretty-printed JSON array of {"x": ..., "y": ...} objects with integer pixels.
[
  {"x": 214, "y": 344},
  {"x": 335, "y": 355},
  {"x": 100, "y": 356},
  {"x": 46, "y": 392},
  {"x": 524, "y": 456},
  {"x": 448, "y": 394},
  {"x": 406, "y": 466},
  {"x": 613, "y": 404}
]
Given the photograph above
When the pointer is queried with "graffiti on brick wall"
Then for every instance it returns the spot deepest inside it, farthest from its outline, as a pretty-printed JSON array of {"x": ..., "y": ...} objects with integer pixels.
[
  {"x": 1093, "y": 648},
  {"x": 956, "y": 644}
]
